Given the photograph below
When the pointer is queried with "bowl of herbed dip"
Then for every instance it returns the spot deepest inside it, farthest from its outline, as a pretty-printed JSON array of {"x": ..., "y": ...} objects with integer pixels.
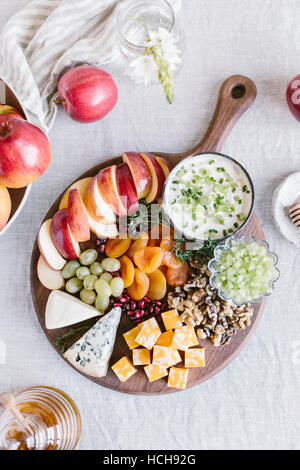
[{"x": 208, "y": 196}]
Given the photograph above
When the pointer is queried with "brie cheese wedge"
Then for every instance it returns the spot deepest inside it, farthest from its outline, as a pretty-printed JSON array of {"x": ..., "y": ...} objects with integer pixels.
[
  {"x": 91, "y": 353},
  {"x": 63, "y": 309}
]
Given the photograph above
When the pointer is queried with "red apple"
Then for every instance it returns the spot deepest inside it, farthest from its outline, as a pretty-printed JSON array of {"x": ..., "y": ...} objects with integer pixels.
[
  {"x": 108, "y": 188},
  {"x": 6, "y": 109},
  {"x": 50, "y": 278},
  {"x": 77, "y": 217},
  {"x": 81, "y": 185},
  {"x": 165, "y": 165},
  {"x": 5, "y": 206},
  {"x": 47, "y": 248},
  {"x": 293, "y": 97},
  {"x": 102, "y": 230},
  {"x": 158, "y": 177},
  {"x": 62, "y": 236},
  {"x": 87, "y": 93},
  {"x": 25, "y": 152},
  {"x": 140, "y": 173},
  {"x": 126, "y": 188},
  {"x": 96, "y": 206}
]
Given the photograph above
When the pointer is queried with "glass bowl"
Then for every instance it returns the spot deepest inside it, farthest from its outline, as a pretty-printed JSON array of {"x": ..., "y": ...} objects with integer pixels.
[{"x": 226, "y": 246}]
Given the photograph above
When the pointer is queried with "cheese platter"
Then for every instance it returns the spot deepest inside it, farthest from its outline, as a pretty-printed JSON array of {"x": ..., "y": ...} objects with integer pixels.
[{"x": 136, "y": 312}]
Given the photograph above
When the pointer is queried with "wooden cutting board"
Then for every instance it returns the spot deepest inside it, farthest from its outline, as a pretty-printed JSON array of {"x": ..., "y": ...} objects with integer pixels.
[{"x": 237, "y": 94}]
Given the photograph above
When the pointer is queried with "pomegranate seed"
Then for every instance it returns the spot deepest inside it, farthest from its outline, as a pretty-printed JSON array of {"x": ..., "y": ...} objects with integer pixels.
[
  {"x": 137, "y": 313},
  {"x": 102, "y": 248},
  {"x": 130, "y": 313},
  {"x": 141, "y": 303},
  {"x": 143, "y": 313},
  {"x": 151, "y": 309},
  {"x": 157, "y": 310},
  {"x": 147, "y": 300},
  {"x": 98, "y": 242},
  {"x": 117, "y": 304},
  {"x": 133, "y": 305},
  {"x": 123, "y": 300},
  {"x": 127, "y": 307},
  {"x": 158, "y": 303}
]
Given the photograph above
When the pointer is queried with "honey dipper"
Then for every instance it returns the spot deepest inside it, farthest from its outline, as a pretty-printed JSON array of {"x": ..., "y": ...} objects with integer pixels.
[
  {"x": 294, "y": 213},
  {"x": 7, "y": 401}
]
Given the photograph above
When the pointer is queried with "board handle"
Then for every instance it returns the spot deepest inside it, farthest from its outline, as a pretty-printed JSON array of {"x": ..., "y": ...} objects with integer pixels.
[{"x": 236, "y": 96}]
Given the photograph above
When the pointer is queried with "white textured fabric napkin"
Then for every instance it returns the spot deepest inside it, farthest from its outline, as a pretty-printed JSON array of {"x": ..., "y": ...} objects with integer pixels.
[{"x": 48, "y": 36}]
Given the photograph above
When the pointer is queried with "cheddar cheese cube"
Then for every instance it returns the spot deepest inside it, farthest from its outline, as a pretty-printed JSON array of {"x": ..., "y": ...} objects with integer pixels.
[
  {"x": 141, "y": 357},
  {"x": 131, "y": 335},
  {"x": 178, "y": 377},
  {"x": 194, "y": 357},
  {"x": 155, "y": 372},
  {"x": 148, "y": 334},
  {"x": 165, "y": 356},
  {"x": 184, "y": 338},
  {"x": 124, "y": 369},
  {"x": 194, "y": 339},
  {"x": 165, "y": 339},
  {"x": 171, "y": 319}
]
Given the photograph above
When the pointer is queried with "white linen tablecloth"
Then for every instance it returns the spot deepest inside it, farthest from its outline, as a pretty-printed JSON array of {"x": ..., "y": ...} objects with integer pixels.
[{"x": 253, "y": 403}]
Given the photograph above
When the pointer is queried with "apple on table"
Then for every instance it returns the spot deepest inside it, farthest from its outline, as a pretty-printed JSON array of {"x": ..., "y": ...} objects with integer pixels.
[{"x": 7, "y": 109}]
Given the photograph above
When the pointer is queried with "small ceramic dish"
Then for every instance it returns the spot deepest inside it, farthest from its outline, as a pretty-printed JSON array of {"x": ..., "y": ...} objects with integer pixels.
[
  {"x": 285, "y": 196},
  {"x": 226, "y": 246}
]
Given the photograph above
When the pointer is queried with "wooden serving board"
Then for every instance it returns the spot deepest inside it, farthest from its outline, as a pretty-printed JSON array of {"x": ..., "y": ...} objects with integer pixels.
[
  {"x": 237, "y": 94},
  {"x": 17, "y": 195}
]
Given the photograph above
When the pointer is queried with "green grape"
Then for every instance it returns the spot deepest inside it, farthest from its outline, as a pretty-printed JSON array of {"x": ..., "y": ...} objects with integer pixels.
[
  {"x": 111, "y": 264},
  {"x": 103, "y": 288},
  {"x": 82, "y": 272},
  {"x": 70, "y": 269},
  {"x": 89, "y": 282},
  {"x": 87, "y": 296},
  {"x": 73, "y": 285},
  {"x": 117, "y": 286},
  {"x": 106, "y": 276},
  {"x": 101, "y": 303},
  {"x": 88, "y": 257},
  {"x": 96, "y": 268}
]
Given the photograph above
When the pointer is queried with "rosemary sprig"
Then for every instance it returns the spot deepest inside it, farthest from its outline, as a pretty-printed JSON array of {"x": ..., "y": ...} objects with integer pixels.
[
  {"x": 62, "y": 340},
  {"x": 143, "y": 219},
  {"x": 201, "y": 254}
]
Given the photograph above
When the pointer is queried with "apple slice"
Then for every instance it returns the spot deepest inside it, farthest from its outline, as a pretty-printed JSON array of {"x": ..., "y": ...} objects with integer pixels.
[
  {"x": 77, "y": 217},
  {"x": 158, "y": 177},
  {"x": 47, "y": 248},
  {"x": 165, "y": 165},
  {"x": 81, "y": 185},
  {"x": 5, "y": 206},
  {"x": 62, "y": 237},
  {"x": 126, "y": 188},
  {"x": 102, "y": 230},
  {"x": 50, "y": 278},
  {"x": 108, "y": 188},
  {"x": 140, "y": 173},
  {"x": 96, "y": 206}
]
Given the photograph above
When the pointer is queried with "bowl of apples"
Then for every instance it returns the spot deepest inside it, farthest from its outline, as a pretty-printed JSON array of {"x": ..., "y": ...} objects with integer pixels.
[{"x": 25, "y": 153}]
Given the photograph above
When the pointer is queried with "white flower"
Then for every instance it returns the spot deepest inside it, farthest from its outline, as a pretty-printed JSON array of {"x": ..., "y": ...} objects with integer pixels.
[
  {"x": 161, "y": 57},
  {"x": 143, "y": 70}
]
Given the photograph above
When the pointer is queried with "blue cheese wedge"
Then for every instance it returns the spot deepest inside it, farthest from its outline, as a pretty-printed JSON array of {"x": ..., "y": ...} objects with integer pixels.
[
  {"x": 63, "y": 309},
  {"x": 91, "y": 354}
]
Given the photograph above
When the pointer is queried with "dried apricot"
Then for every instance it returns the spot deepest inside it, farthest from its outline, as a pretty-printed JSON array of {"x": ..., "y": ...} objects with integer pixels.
[
  {"x": 178, "y": 276},
  {"x": 140, "y": 285},
  {"x": 116, "y": 247},
  {"x": 148, "y": 259},
  {"x": 169, "y": 259},
  {"x": 158, "y": 285},
  {"x": 158, "y": 232},
  {"x": 141, "y": 241},
  {"x": 127, "y": 270}
]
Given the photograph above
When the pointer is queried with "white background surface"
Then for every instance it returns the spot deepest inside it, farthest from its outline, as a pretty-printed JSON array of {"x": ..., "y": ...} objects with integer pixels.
[{"x": 253, "y": 403}]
